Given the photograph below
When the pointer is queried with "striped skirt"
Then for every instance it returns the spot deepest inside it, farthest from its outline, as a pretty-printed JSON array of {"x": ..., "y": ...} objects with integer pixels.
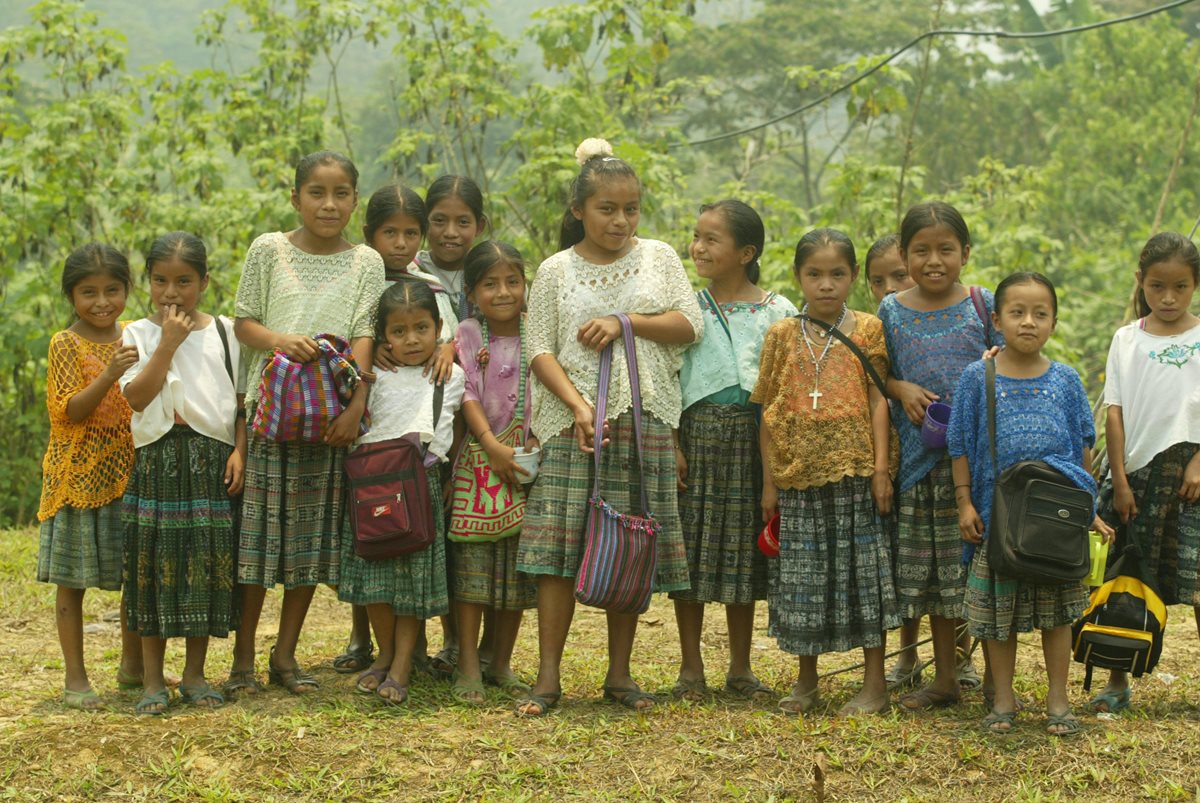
[
  {"x": 930, "y": 578},
  {"x": 831, "y": 586},
  {"x": 721, "y": 509},
  {"x": 81, "y": 548},
  {"x": 557, "y": 508},
  {"x": 292, "y": 513},
  {"x": 1166, "y": 528},
  {"x": 486, "y": 574},
  {"x": 413, "y": 584},
  {"x": 997, "y": 607},
  {"x": 179, "y": 539}
]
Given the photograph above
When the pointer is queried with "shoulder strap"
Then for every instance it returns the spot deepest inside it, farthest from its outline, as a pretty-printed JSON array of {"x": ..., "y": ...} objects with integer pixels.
[
  {"x": 225, "y": 345},
  {"x": 981, "y": 310},
  {"x": 854, "y": 349},
  {"x": 720, "y": 313},
  {"x": 989, "y": 367},
  {"x": 602, "y": 406},
  {"x": 439, "y": 391}
]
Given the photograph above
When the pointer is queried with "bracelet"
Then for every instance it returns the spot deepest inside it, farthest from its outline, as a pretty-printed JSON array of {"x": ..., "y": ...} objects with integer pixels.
[
  {"x": 368, "y": 377},
  {"x": 241, "y": 413},
  {"x": 962, "y": 485}
]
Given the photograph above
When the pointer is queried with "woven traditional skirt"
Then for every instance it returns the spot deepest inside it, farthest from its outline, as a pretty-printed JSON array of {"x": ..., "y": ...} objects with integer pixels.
[
  {"x": 997, "y": 607},
  {"x": 292, "y": 513},
  {"x": 413, "y": 584},
  {"x": 1166, "y": 528},
  {"x": 486, "y": 574},
  {"x": 831, "y": 586},
  {"x": 81, "y": 548},
  {"x": 179, "y": 539},
  {"x": 552, "y": 539},
  {"x": 721, "y": 509},
  {"x": 930, "y": 578}
]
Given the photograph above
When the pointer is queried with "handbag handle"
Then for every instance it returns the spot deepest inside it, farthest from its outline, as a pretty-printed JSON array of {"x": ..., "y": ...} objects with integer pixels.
[{"x": 606, "y": 357}]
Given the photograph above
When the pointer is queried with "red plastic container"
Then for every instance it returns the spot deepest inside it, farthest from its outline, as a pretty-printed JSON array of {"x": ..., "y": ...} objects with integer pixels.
[{"x": 768, "y": 539}]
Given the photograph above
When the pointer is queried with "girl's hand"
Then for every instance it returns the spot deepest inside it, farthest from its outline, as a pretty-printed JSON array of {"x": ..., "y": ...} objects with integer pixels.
[
  {"x": 299, "y": 348},
  {"x": 969, "y": 523},
  {"x": 881, "y": 489},
  {"x": 1190, "y": 489},
  {"x": 1108, "y": 534},
  {"x": 1123, "y": 501},
  {"x": 500, "y": 457},
  {"x": 989, "y": 354},
  {"x": 344, "y": 429},
  {"x": 599, "y": 332},
  {"x": 440, "y": 364},
  {"x": 123, "y": 357},
  {"x": 383, "y": 357},
  {"x": 585, "y": 428},
  {"x": 176, "y": 326},
  {"x": 532, "y": 443},
  {"x": 914, "y": 399},
  {"x": 681, "y": 470},
  {"x": 235, "y": 473},
  {"x": 770, "y": 502}
]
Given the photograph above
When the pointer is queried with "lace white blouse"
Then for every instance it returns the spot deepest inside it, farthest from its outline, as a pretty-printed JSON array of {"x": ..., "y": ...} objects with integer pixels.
[{"x": 568, "y": 291}]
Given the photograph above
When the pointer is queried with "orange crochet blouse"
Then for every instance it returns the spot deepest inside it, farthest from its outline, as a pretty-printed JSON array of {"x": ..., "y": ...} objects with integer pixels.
[
  {"x": 817, "y": 447},
  {"x": 88, "y": 462}
]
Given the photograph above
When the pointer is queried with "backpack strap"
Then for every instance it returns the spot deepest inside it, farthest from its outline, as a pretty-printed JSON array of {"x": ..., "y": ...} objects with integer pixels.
[
  {"x": 225, "y": 346},
  {"x": 720, "y": 313},
  {"x": 439, "y": 391},
  {"x": 830, "y": 329},
  {"x": 981, "y": 310}
]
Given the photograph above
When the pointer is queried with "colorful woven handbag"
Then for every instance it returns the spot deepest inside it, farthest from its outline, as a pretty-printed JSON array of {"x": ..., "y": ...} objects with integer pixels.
[
  {"x": 485, "y": 508},
  {"x": 298, "y": 400},
  {"x": 621, "y": 551}
]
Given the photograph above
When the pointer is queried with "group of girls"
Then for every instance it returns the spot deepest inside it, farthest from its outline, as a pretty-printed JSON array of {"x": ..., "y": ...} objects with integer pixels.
[{"x": 752, "y": 410}]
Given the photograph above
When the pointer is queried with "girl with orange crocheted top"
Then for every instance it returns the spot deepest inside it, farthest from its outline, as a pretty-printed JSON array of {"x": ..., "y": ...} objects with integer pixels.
[{"x": 87, "y": 461}]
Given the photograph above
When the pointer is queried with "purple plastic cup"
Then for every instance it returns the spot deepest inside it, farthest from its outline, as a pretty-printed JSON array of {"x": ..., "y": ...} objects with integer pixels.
[{"x": 937, "y": 421}]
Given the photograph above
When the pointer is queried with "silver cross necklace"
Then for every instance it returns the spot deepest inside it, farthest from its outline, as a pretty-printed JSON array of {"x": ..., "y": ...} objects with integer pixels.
[{"x": 812, "y": 355}]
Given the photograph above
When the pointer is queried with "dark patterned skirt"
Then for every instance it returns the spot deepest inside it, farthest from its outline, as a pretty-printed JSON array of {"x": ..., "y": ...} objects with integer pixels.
[
  {"x": 997, "y": 607},
  {"x": 413, "y": 584},
  {"x": 930, "y": 578},
  {"x": 81, "y": 548},
  {"x": 552, "y": 540},
  {"x": 179, "y": 539},
  {"x": 831, "y": 586},
  {"x": 486, "y": 574},
  {"x": 1166, "y": 528},
  {"x": 292, "y": 512},
  {"x": 721, "y": 509}
]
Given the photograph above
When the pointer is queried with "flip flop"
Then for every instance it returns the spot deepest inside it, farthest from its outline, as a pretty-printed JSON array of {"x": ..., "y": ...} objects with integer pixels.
[
  {"x": 378, "y": 674},
  {"x": 924, "y": 698},
  {"x": 468, "y": 690},
  {"x": 354, "y": 659},
  {"x": 507, "y": 682},
  {"x": 800, "y": 702},
  {"x": 1068, "y": 721},
  {"x": 144, "y": 705},
  {"x": 899, "y": 677},
  {"x": 86, "y": 700},
  {"x": 196, "y": 695},
  {"x": 241, "y": 680},
  {"x": 391, "y": 684},
  {"x": 748, "y": 687},
  {"x": 630, "y": 696},
  {"x": 693, "y": 691},
  {"x": 1113, "y": 701},
  {"x": 543, "y": 702}
]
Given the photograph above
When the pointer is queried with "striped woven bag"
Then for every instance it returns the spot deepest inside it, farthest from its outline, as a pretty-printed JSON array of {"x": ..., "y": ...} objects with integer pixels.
[
  {"x": 621, "y": 552},
  {"x": 297, "y": 401}
]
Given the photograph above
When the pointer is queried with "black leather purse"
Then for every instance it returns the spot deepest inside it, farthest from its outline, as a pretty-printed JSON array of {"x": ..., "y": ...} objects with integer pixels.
[{"x": 1040, "y": 519}]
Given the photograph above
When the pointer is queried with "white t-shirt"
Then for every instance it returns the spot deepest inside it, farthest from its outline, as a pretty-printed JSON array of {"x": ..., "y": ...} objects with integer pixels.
[
  {"x": 197, "y": 386},
  {"x": 401, "y": 402},
  {"x": 1155, "y": 380}
]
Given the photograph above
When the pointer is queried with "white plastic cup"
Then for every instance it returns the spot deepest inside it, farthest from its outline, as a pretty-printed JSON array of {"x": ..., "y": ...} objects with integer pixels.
[{"x": 530, "y": 461}]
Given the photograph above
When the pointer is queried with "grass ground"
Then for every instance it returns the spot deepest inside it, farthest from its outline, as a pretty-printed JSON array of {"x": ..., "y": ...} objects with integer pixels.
[{"x": 335, "y": 744}]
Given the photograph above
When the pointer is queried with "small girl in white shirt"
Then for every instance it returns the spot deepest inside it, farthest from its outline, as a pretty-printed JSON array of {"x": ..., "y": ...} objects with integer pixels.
[
  {"x": 400, "y": 593},
  {"x": 190, "y": 441}
]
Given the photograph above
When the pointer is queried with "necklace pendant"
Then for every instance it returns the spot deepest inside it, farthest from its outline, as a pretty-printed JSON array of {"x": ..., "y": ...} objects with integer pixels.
[{"x": 816, "y": 394}]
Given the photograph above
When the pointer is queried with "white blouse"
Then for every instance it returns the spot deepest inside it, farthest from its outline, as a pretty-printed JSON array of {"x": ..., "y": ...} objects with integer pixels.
[{"x": 401, "y": 402}]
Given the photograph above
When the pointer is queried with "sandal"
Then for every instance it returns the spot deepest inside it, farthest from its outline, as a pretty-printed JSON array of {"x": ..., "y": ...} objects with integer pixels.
[
  {"x": 541, "y": 703},
  {"x": 391, "y": 684},
  {"x": 748, "y": 687},
  {"x": 926, "y": 697},
  {"x": 354, "y": 659},
  {"x": 379, "y": 674},
  {"x": 442, "y": 665},
  {"x": 799, "y": 702},
  {"x": 692, "y": 691},
  {"x": 899, "y": 677},
  {"x": 850, "y": 709},
  {"x": 86, "y": 700},
  {"x": 150, "y": 700},
  {"x": 293, "y": 679},
  {"x": 968, "y": 678},
  {"x": 1112, "y": 701},
  {"x": 241, "y": 680},
  {"x": 993, "y": 721},
  {"x": 989, "y": 701},
  {"x": 468, "y": 690},
  {"x": 507, "y": 682},
  {"x": 133, "y": 682},
  {"x": 1070, "y": 724},
  {"x": 630, "y": 696},
  {"x": 197, "y": 695}
]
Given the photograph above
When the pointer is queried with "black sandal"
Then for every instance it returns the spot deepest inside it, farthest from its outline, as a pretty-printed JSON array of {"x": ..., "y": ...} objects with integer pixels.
[
  {"x": 354, "y": 659},
  {"x": 291, "y": 679}
]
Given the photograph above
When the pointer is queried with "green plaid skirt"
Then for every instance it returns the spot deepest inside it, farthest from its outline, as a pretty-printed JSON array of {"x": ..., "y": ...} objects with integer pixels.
[
  {"x": 552, "y": 539},
  {"x": 721, "y": 511},
  {"x": 997, "y": 607},
  {"x": 1166, "y": 528},
  {"x": 413, "y": 584},
  {"x": 179, "y": 539},
  {"x": 81, "y": 548},
  {"x": 930, "y": 578},
  {"x": 486, "y": 574},
  {"x": 293, "y": 507}
]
